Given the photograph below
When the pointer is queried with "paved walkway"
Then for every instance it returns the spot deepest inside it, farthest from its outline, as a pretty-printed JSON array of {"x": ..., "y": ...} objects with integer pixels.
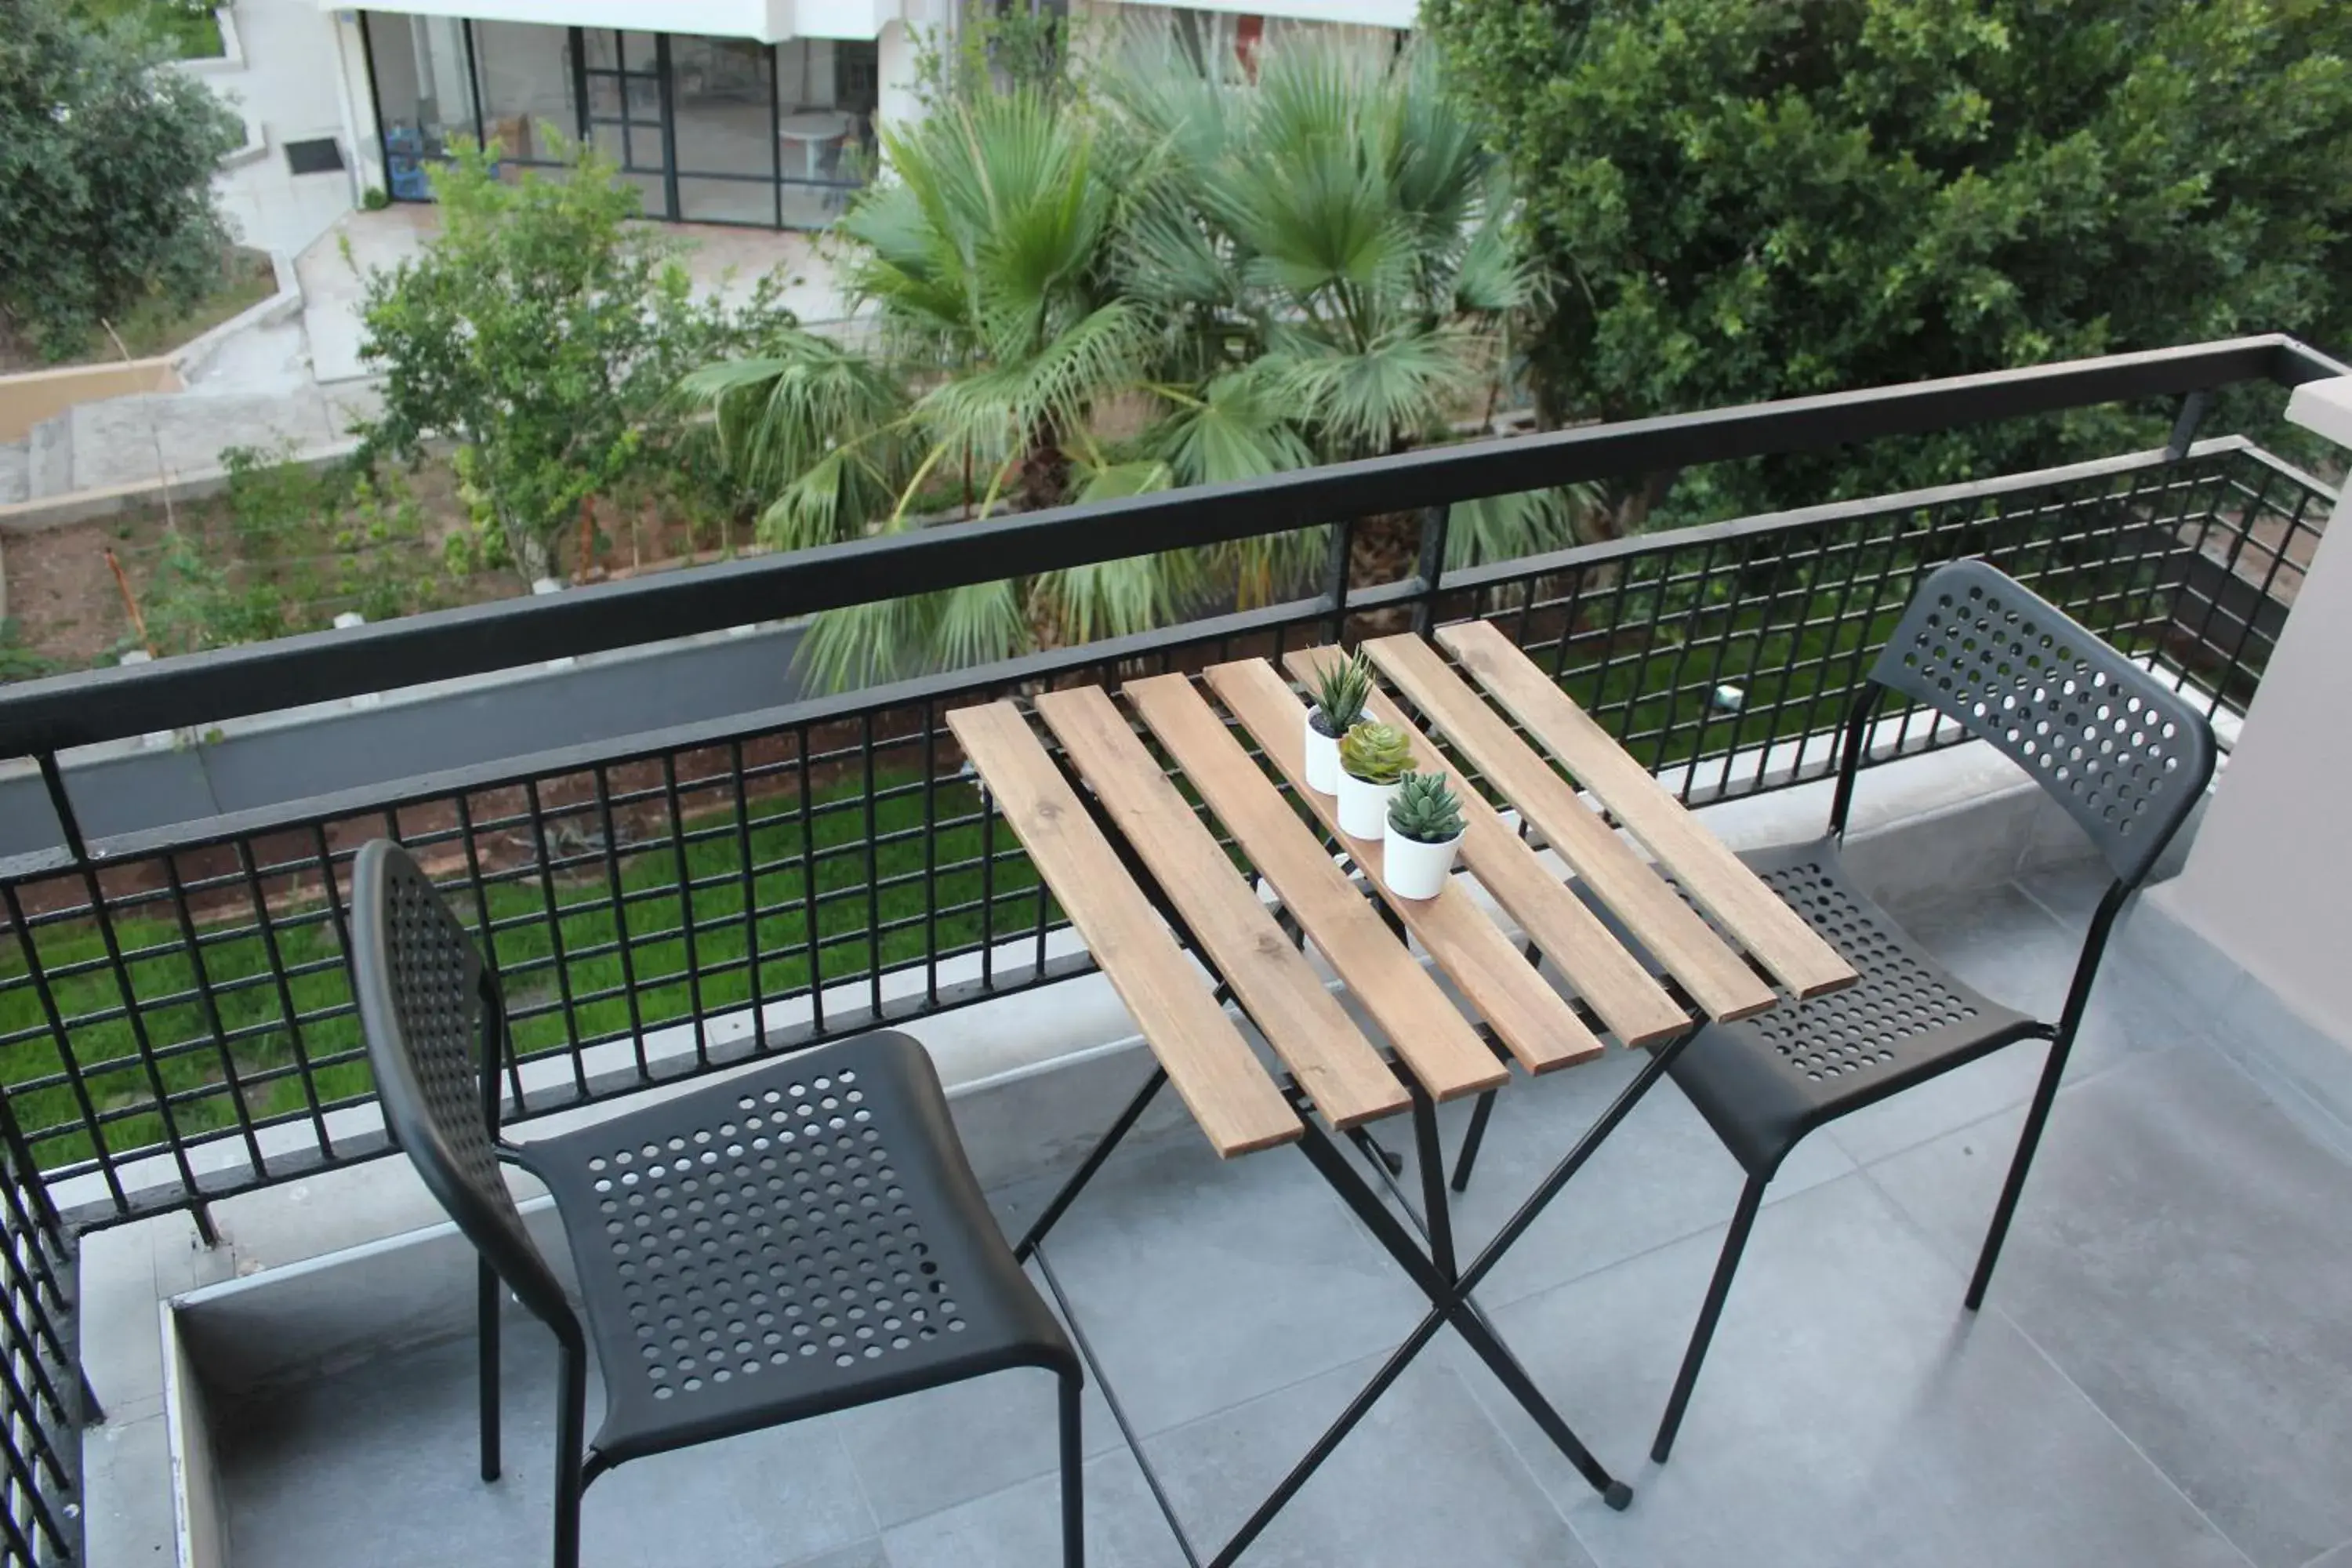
[
  {"x": 721, "y": 260},
  {"x": 301, "y": 382}
]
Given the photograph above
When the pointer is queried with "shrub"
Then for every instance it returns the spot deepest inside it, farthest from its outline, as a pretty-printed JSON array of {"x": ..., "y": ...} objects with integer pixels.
[
  {"x": 106, "y": 168},
  {"x": 541, "y": 331}
]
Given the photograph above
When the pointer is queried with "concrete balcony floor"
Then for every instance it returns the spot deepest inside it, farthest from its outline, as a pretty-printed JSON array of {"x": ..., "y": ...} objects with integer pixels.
[{"x": 2161, "y": 1374}]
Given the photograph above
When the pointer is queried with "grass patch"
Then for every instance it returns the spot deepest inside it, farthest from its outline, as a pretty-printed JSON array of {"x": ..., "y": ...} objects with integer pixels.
[
  {"x": 189, "y": 32},
  {"x": 871, "y": 899},
  {"x": 155, "y": 327}
]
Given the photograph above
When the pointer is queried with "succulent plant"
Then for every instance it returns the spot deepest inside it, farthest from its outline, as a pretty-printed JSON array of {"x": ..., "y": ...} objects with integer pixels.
[
  {"x": 1376, "y": 754},
  {"x": 1341, "y": 687},
  {"x": 1425, "y": 810}
]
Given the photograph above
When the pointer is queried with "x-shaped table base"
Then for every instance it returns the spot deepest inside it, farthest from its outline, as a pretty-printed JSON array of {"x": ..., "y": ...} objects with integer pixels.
[{"x": 1428, "y": 1259}]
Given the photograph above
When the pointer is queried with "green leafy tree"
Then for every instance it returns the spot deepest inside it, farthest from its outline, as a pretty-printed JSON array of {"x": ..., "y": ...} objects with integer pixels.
[
  {"x": 106, "y": 169},
  {"x": 1748, "y": 199},
  {"x": 540, "y": 330}
]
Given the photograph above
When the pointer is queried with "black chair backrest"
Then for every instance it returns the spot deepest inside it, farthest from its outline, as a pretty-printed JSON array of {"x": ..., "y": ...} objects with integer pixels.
[
  {"x": 424, "y": 1009},
  {"x": 2126, "y": 756}
]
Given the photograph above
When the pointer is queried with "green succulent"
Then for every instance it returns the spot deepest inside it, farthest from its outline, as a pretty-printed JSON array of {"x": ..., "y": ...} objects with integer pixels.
[
  {"x": 1376, "y": 754},
  {"x": 1425, "y": 810},
  {"x": 1342, "y": 688}
]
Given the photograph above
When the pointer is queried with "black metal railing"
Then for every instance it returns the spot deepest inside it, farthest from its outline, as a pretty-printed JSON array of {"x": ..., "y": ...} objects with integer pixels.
[
  {"x": 43, "y": 1399},
  {"x": 176, "y": 1021}
]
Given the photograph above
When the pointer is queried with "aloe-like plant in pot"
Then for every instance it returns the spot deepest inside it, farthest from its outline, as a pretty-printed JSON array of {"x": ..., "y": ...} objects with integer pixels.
[
  {"x": 1372, "y": 758},
  {"x": 1341, "y": 687},
  {"x": 1423, "y": 837}
]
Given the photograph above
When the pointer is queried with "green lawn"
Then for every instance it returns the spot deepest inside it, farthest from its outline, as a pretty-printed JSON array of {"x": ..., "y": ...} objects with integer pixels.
[
  {"x": 261, "y": 1048},
  {"x": 190, "y": 32}
]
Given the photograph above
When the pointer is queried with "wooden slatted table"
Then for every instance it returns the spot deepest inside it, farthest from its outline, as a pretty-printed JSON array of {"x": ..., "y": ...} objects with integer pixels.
[{"x": 1179, "y": 925}]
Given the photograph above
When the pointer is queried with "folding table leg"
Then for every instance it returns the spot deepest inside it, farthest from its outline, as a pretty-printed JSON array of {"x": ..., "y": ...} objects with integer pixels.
[
  {"x": 1093, "y": 1163},
  {"x": 1449, "y": 1299},
  {"x": 1333, "y": 1435}
]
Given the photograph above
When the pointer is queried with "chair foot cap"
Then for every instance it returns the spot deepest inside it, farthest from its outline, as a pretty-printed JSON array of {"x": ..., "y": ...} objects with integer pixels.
[{"x": 1619, "y": 1496}]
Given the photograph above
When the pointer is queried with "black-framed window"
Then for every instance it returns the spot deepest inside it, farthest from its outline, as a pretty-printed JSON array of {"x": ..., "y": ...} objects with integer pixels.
[
  {"x": 523, "y": 84},
  {"x": 710, "y": 130}
]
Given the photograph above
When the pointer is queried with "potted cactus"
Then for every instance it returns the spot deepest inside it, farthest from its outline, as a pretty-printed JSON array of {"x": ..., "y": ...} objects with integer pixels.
[
  {"x": 1341, "y": 687},
  {"x": 1372, "y": 758},
  {"x": 1423, "y": 834}
]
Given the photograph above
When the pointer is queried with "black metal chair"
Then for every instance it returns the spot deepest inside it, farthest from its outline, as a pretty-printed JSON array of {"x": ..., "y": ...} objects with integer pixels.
[
  {"x": 795, "y": 1240},
  {"x": 2122, "y": 754}
]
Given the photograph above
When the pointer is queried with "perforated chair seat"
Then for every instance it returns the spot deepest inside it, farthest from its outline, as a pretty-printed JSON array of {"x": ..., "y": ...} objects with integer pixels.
[
  {"x": 789, "y": 1242},
  {"x": 1764, "y": 1083}
]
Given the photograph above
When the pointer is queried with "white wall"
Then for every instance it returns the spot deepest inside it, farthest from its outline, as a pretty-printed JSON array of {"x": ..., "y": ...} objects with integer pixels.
[
  {"x": 288, "y": 87},
  {"x": 2269, "y": 881},
  {"x": 361, "y": 134}
]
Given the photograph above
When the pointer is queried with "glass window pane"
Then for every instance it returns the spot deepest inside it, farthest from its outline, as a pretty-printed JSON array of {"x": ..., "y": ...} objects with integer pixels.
[
  {"x": 524, "y": 77},
  {"x": 719, "y": 90},
  {"x": 423, "y": 92},
  {"x": 708, "y": 200},
  {"x": 653, "y": 194}
]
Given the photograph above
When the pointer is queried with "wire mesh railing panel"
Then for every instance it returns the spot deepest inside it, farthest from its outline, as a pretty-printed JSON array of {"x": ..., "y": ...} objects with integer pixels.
[
  {"x": 176, "y": 1024},
  {"x": 41, "y": 1399},
  {"x": 1715, "y": 658}
]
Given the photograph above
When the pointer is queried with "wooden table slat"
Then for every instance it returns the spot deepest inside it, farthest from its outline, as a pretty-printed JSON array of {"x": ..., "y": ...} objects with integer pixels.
[
  {"x": 1683, "y": 944},
  {"x": 1534, "y": 1021},
  {"x": 1431, "y": 1035},
  {"x": 1626, "y": 994},
  {"x": 1782, "y": 940},
  {"x": 1222, "y": 1083},
  {"x": 1276, "y": 986}
]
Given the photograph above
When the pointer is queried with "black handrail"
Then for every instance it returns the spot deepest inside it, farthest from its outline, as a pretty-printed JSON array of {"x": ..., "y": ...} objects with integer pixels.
[{"x": 93, "y": 707}]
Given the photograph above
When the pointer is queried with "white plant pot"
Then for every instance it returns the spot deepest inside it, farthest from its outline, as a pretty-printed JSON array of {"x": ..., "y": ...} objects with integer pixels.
[
  {"x": 1413, "y": 869},
  {"x": 1322, "y": 757},
  {"x": 1363, "y": 807}
]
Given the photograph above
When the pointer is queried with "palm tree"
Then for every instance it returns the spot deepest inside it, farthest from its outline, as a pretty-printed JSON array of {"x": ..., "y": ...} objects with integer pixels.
[
  {"x": 1316, "y": 267},
  {"x": 984, "y": 257},
  {"x": 1334, "y": 236}
]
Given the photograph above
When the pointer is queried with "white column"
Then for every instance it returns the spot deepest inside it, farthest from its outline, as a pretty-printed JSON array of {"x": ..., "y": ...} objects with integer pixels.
[
  {"x": 899, "y": 104},
  {"x": 2269, "y": 881},
  {"x": 356, "y": 100}
]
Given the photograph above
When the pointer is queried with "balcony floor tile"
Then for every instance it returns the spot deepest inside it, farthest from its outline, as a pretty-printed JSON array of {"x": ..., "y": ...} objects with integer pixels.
[
  {"x": 2181, "y": 1251},
  {"x": 2160, "y": 1377},
  {"x": 1851, "y": 1414}
]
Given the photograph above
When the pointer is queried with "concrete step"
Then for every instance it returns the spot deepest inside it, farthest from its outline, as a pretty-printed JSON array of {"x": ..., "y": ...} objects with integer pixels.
[
  {"x": 50, "y": 458},
  {"x": 15, "y": 472},
  {"x": 125, "y": 440}
]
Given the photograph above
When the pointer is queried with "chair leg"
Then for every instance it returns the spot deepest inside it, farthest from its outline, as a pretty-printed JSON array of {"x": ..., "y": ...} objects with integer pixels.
[
  {"x": 2045, "y": 1094},
  {"x": 1751, "y": 1198},
  {"x": 570, "y": 1440},
  {"x": 487, "y": 1325},
  {"x": 1073, "y": 1463}
]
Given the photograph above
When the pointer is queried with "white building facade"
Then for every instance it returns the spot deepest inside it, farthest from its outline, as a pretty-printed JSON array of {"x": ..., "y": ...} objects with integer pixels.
[{"x": 758, "y": 112}]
